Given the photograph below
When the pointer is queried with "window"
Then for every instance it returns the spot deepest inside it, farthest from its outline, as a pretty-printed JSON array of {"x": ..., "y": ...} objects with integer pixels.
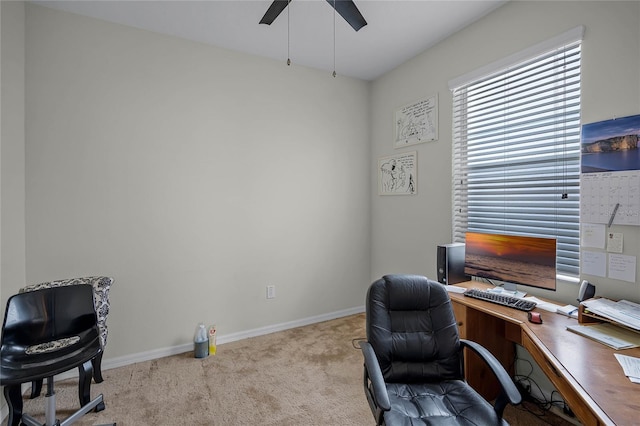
[{"x": 516, "y": 149}]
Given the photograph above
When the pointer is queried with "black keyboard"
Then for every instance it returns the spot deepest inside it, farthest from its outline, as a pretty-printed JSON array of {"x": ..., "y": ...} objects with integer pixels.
[{"x": 501, "y": 299}]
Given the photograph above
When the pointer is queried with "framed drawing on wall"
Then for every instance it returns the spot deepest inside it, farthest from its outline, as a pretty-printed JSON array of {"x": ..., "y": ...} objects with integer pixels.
[
  {"x": 397, "y": 174},
  {"x": 416, "y": 122}
]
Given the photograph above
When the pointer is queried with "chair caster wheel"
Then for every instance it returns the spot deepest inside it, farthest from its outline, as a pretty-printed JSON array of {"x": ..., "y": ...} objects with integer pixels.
[{"x": 99, "y": 407}]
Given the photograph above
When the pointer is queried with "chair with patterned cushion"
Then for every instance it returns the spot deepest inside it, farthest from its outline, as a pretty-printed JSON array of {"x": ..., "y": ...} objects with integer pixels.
[
  {"x": 413, "y": 359},
  {"x": 47, "y": 332},
  {"x": 101, "y": 286}
]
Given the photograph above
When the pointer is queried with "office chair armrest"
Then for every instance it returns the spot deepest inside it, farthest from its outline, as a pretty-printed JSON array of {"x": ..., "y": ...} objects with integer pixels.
[
  {"x": 508, "y": 387},
  {"x": 375, "y": 376}
]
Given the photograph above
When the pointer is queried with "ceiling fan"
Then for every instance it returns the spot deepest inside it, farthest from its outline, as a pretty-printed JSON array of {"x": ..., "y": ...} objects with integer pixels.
[{"x": 346, "y": 8}]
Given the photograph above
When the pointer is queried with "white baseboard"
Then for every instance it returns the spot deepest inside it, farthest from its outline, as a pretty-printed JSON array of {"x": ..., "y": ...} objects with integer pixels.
[
  {"x": 225, "y": 338},
  {"x": 179, "y": 349}
]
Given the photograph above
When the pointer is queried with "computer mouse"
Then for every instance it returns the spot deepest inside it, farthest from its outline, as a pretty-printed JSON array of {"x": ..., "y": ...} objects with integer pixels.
[{"x": 534, "y": 317}]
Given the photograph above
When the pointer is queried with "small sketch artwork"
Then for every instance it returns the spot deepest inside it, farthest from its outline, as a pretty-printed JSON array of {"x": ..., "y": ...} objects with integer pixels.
[
  {"x": 417, "y": 122},
  {"x": 397, "y": 174}
]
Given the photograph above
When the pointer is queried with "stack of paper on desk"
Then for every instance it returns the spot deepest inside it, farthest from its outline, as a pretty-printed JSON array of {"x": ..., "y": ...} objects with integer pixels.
[
  {"x": 630, "y": 366},
  {"x": 608, "y": 334},
  {"x": 623, "y": 312},
  {"x": 568, "y": 310}
]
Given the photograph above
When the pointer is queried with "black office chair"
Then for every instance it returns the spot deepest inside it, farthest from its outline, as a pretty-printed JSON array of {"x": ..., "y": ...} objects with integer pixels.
[
  {"x": 47, "y": 332},
  {"x": 413, "y": 359},
  {"x": 101, "y": 286}
]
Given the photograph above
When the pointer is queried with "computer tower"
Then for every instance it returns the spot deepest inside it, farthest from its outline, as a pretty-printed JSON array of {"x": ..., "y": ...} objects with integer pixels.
[{"x": 450, "y": 264}]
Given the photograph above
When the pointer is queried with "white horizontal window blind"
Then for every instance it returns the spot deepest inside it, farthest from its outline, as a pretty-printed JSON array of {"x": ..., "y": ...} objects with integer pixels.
[{"x": 516, "y": 153}]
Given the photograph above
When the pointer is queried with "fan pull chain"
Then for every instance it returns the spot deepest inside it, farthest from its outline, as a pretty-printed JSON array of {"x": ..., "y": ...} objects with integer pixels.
[
  {"x": 334, "y": 38},
  {"x": 288, "y": 34}
]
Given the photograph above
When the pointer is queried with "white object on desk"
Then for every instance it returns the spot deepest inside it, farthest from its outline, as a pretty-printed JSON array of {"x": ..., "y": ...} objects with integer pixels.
[
  {"x": 625, "y": 312},
  {"x": 568, "y": 310},
  {"x": 455, "y": 289},
  {"x": 630, "y": 366},
  {"x": 547, "y": 306},
  {"x": 608, "y": 334}
]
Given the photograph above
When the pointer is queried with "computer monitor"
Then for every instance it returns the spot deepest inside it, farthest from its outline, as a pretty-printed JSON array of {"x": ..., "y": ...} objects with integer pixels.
[{"x": 512, "y": 259}]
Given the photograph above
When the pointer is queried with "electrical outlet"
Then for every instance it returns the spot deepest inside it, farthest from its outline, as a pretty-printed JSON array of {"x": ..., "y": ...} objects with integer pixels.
[{"x": 271, "y": 292}]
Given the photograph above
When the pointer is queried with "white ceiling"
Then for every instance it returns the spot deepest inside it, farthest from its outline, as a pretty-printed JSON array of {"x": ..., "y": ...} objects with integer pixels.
[{"x": 396, "y": 31}]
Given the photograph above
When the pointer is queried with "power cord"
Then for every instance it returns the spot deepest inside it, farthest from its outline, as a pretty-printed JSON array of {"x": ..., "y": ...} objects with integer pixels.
[{"x": 541, "y": 406}]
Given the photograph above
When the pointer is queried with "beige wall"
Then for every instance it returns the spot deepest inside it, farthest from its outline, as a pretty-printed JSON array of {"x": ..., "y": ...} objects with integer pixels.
[
  {"x": 194, "y": 176},
  {"x": 12, "y": 152},
  {"x": 12, "y": 155},
  {"x": 407, "y": 230}
]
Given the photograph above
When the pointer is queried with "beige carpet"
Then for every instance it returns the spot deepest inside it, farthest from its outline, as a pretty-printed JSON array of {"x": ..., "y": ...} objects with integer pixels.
[{"x": 305, "y": 376}]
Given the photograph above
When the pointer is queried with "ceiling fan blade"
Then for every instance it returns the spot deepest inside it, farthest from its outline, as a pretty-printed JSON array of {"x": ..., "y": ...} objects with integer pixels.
[
  {"x": 274, "y": 10},
  {"x": 349, "y": 11}
]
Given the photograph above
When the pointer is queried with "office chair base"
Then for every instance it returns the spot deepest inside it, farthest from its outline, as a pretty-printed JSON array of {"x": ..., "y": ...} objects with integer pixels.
[{"x": 96, "y": 404}]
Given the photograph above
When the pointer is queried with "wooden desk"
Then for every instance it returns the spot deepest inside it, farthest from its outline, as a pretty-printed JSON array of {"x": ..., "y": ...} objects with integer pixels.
[{"x": 585, "y": 372}]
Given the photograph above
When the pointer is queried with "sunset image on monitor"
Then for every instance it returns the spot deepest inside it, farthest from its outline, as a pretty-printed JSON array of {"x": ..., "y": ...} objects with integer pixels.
[{"x": 510, "y": 258}]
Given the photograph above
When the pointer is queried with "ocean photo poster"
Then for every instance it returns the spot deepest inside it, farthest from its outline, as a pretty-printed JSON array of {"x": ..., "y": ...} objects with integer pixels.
[
  {"x": 610, "y": 171},
  {"x": 611, "y": 145}
]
